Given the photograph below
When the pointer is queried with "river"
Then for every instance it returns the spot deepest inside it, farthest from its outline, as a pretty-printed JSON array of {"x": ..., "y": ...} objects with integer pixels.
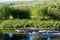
[{"x": 12, "y": 36}]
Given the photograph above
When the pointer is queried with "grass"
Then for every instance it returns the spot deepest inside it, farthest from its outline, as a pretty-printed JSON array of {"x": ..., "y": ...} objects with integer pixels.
[{"x": 21, "y": 23}]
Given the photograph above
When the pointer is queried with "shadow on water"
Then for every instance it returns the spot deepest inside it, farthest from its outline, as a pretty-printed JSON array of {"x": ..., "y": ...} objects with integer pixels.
[
  {"x": 11, "y": 36},
  {"x": 1, "y": 36}
]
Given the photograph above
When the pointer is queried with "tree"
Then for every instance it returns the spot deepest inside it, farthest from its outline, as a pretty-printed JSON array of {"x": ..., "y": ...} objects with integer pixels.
[{"x": 4, "y": 12}]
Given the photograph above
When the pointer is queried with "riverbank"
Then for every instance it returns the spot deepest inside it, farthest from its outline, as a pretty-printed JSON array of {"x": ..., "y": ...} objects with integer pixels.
[
  {"x": 7, "y": 31},
  {"x": 24, "y": 23}
]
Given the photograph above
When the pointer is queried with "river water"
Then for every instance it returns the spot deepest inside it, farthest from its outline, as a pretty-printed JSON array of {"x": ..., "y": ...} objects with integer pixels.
[{"x": 11, "y": 36}]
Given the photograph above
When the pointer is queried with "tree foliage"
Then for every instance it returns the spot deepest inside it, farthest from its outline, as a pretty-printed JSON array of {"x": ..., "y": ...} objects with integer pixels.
[{"x": 4, "y": 12}]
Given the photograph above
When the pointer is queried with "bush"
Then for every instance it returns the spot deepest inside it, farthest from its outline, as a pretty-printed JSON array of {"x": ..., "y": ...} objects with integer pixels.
[
  {"x": 54, "y": 11},
  {"x": 4, "y": 12},
  {"x": 30, "y": 23},
  {"x": 21, "y": 13},
  {"x": 35, "y": 12},
  {"x": 40, "y": 12},
  {"x": 7, "y": 11}
]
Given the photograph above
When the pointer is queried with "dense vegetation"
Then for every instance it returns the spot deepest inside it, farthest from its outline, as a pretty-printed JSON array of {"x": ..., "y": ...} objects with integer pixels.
[
  {"x": 31, "y": 23},
  {"x": 38, "y": 15}
]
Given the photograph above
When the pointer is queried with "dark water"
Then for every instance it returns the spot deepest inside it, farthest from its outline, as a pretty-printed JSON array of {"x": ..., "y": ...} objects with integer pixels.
[
  {"x": 1, "y": 36},
  {"x": 11, "y": 36}
]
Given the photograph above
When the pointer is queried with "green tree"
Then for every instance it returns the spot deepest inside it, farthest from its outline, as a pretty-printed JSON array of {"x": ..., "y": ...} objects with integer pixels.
[{"x": 4, "y": 12}]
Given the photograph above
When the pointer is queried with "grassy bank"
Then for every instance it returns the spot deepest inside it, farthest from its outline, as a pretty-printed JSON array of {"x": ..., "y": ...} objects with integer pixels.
[{"x": 21, "y": 23}]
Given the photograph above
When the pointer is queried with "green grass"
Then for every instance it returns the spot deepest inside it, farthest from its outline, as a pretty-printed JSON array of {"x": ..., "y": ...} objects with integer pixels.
[{"x": 17, "y": 23}]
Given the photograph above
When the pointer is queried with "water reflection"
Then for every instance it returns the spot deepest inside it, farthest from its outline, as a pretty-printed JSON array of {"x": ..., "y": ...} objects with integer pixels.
[
  {"x": 11, "y": 36},
  {"x": 48, "y": 38},
  {"x": 31, "y": 36},
  {"x": 1, "y": 36}
]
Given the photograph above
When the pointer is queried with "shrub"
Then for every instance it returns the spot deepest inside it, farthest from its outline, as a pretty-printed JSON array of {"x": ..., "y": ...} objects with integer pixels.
[
  {"x": 35, "y": 12},
  {"x": 30, "y": 23},
  {"x": 54, "y": 11},
  {"x": 4, "y": 12},
  {"x": 21, "y": 13}
]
